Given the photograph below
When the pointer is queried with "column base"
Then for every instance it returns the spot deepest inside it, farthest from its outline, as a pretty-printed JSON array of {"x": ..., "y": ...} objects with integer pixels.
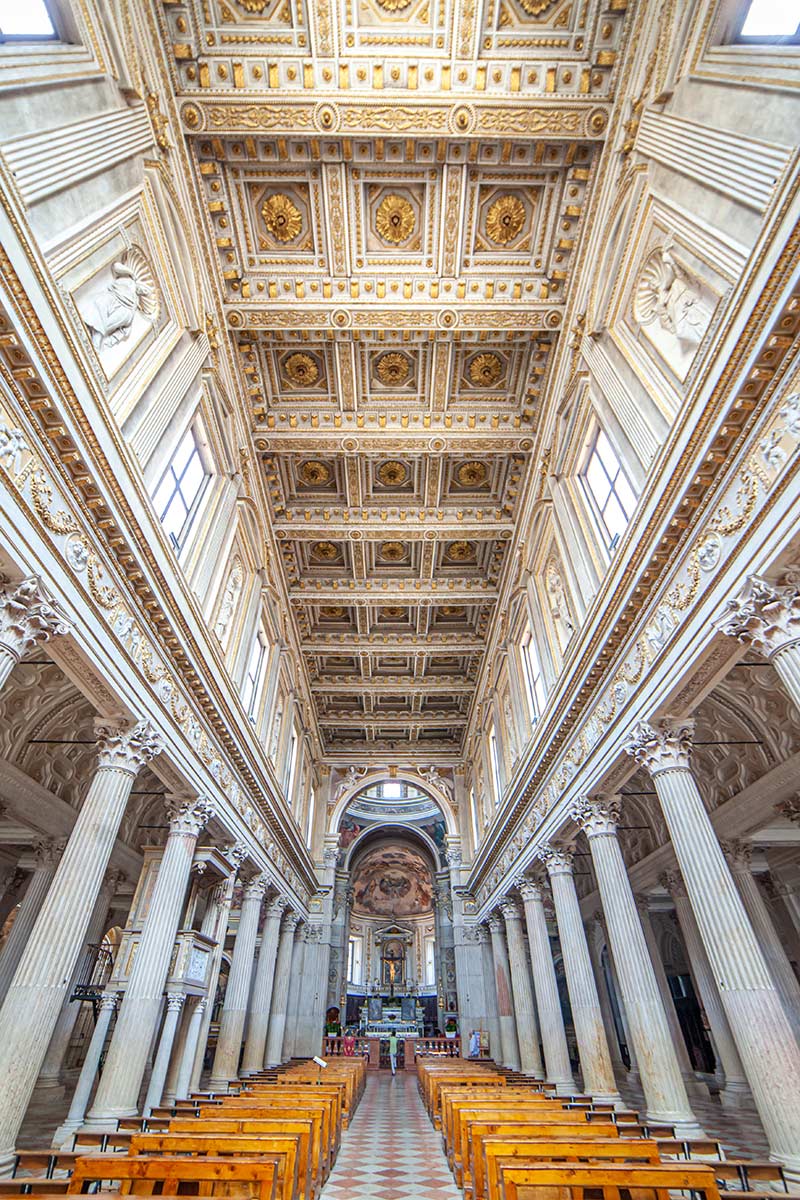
[
  {"x": 736, "y": 1095},
  {"x": 64, "y": 1134},
  {"x": 565, "y": 1087},
  {"x": 791, "y": 1167},
  {"x": 696, "y": 1087},
  {"x": 107, "y": 1122},
  {"x": 608, "y": 1098},
  {"x": 685, "y": 1127},
  {"x": 7, "y": 1160},
  {"x": 52, "y": 1087}
]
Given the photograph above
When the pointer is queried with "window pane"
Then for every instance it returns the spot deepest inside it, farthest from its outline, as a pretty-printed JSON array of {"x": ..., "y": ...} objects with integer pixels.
[
  {"x": 772, "y": 18},
  {"x": 614, "y": 517},
  {"x": 625, "y": 494},
  {"x": 606, "y": 454},
  {"x": 183, "y": 451},
  {"x": 22, "y": 18},
  {"x": 597, "y": 481},
  {"x": 164, "y": 492},
  {"x": 192, "y": 480},
  {"x": 174, "y": 518}
]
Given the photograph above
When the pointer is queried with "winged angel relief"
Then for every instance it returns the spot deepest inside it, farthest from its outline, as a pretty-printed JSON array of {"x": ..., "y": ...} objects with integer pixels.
[
  {"x": 110, "y": 313},
  {"x": 672, "y": 305}
]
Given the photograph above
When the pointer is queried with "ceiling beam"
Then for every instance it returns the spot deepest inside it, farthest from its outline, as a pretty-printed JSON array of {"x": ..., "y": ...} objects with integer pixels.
[
  {"x": 381, "y": 643},
  {"x": 520, "y": 317},
  {"x": 374, "y": 528},
  {"x": 404, "y": 591},
  {"x": 377, "y": 433},
  {"x": 389, "y": 685}
]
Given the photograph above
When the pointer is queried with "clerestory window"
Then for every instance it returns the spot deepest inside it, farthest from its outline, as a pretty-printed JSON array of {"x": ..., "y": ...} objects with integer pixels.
[
  {"x": 534, "y": 679},
  {"x": 177, "y": 497},
  {"x": 254, "y": 676},
  {"x": 770, "y": 21},
  {"x": 606, "y": 483},
  {"x": 25, "y": 20}
]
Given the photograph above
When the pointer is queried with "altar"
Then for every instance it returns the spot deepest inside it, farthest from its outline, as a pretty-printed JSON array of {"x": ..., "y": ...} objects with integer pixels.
[{"x": 402, "y": 1016}]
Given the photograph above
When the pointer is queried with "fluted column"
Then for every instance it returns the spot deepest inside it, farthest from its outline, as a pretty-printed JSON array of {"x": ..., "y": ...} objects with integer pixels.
[
  {"x": 49, "y": 1076},
  {"x": 158, "y": 1075},
  {"x": 183, "y": 1081},
  {"x": 735, "y": 1091},
  {"x": 215, "y": 924},
  {"x": 234, "y": 1010},
  {"x": 83, "y": 1089},
  {"x": 12, "y": 894},
  {"x": 299, "y": 953},
  {"x": 763, "y": 1034},
  {"x": 530, "y": 1057},
  {"x": 739, "y": 856},
  {"x": 28, "y": 618},
  {"x": 46, "y": 855},
  {"x": 766, "y": 616},
  {"x": 37, "y": 991},
  {"x": 551, "y": 1018},
  {"x": 118, "y": 1092},
  {"x": 590, "y": 1034},
  {"x": 505, "y": 1003},
  {"x": 280, "y": 991},
  {"x": 261, "y": 1000},
  {"x": 490, "y": 991},
  {"x": 662, "y": 1083}
]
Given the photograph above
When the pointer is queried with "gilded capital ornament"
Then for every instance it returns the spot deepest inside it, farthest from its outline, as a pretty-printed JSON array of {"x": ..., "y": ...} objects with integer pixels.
[
  {"x": 122, "y": 747},
  {"x": 557, "y": 859},
  {"x": 28, "y": 617},
  {"x": 664, "y": 746},
  {"x": 765, "y": 615},
  {"x": 189, "y": 815},
  {"x": 597, "y": 816}
]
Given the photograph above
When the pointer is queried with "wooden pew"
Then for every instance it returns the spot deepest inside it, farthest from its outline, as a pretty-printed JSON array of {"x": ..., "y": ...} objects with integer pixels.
[
  {"x": 307, "y": 1129},
  {"x": 476, "y": 1131},
  {"x": 499, "y": 1152},
  {"x": 285, "y": 1148},
  {"x": 609, "y": 1180},
  {"x": 279, "y": 1107},
  {"x": 246, "y": 1177}
]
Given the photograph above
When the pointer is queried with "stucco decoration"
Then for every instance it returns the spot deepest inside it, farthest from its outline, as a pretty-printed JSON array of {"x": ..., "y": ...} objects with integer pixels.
[
  {"x": 110, "y": 312},
  {"x": 672, "y": 305},
  {"x": 392, "y": 881}
]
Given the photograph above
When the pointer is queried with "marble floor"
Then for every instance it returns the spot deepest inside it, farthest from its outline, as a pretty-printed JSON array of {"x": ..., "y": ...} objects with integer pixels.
[{"x": 390, "y": 1151}]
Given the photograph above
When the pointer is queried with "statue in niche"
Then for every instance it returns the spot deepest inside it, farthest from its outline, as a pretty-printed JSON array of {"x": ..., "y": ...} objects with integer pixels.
[
  {"x": 109, "y": 315},
  {"x": 557, "y": 599},
  {"x": 230, "y": 599},
  {"x": 666, "y": 293}
]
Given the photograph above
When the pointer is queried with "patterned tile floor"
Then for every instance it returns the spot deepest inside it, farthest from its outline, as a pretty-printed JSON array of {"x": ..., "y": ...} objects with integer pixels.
[{"x": 391, "y": 1151}]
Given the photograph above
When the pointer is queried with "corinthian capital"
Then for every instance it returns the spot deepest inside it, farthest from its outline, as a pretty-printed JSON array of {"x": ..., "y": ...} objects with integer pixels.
[
  {"x": 122, "y": 747},
  {"x": 496, "y": 923},
  {"x": 739, "y": 855},
  {"x": 597, "y": 816},
  {"x": 189, "y": 815},
  {"x": 256, "y": 888},
  {"x": 28, "y": 616},
  {"x": 557, "y": 859},
  {"x": 673, "y": 882},
  {"x": 510, "y": 909},
  {"x": 663, "y": 746},
  {"x": 529, "y": 889},
  {"x": 764, "y": 615}
]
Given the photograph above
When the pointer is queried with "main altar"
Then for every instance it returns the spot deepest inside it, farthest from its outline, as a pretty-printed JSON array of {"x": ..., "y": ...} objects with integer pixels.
[{"x": 382, "y": 1016}]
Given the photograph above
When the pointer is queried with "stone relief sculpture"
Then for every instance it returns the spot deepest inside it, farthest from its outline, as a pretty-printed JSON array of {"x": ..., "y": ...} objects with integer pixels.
[
  {"x": 557, "y": 602},
  {"x": 230, "y": 598},
  {"x": 109, "y": 314},
  {"x": 12, "y": 447},
  {"x": 672, "y": 304}
]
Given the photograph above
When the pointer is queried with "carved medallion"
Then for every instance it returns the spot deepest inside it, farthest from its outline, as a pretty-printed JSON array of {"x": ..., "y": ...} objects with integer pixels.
[
  {"x": 332, "y": 612},
  {"x": 460, "y": 551},
  {"x": 301, "y": 370},
  {"x": 485, "y": 370},
  {"x": 256, "y": 7},
  {"x": 325, "y": 551},
  {"x": 282, "y": 217},
  {"x": 394, "y": 219},
  {"x": 471, "y": 474},
  {"x": 314, "y": 473},
  {"x": 392, "y": 6},
  {"x": 392, "y": 551},
  {"x": 392, "y": 473},
  {"x": 453, "y": 611},
  {"x": 535, "y": 8},
  {"x": 504, "y": 219},
  {"x": 393, "y": 369},
  {"x": 393, "y": 612}
]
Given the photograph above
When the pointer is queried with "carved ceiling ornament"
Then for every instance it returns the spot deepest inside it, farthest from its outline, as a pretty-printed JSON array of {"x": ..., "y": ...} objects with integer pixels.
[
  {"x": 301, "y": 369},
  {"x": 535, "y": 8},
  {"x": 393, "y": 369},
  {"x": 325, "y": 551},
  {"x": 472, "y": 474},
  {"x": 315, "y": 473},
  {"x": 392, "y": 551},
  {"x": 460, "y": 551},
  {"x": 393, "y": 6},
  {"x": 505, "y": 218},
  {"x": 485, "y": 370},
  {"x": 392, "y": 473},
  {"x": 395, "y": 220},
  {"x": 282, "y": 217}
]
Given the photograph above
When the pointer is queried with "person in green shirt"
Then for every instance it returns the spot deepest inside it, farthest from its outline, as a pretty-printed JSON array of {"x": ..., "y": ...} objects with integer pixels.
[{"x": 393, "y": 1052}]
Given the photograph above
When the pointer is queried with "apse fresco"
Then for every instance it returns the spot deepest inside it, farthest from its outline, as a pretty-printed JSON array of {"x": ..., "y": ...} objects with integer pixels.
[{"x": 392, "y": 881}]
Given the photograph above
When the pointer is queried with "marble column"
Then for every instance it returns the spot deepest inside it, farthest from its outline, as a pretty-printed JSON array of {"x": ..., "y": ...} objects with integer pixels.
[
  {"x": 505, "y": 1003},
  {"x": 530, "y": 1057},
  {"x": 763, "y": 1034},
  {"x": 118, "y": 1092},
  {"x": 590, "y": 1034},
  {"x": 28, "y": 618},
  {"x": 83, "y": 1089},
  {"x": 46, "y": 854},
  {"x": 490, "y": 991},
  {"x": 183, "y": 1082},
  {"x": 739, "y": 856},
  {"x": 261, "y": 1000},
  {"x": 662, "y": 1083},
  {"x": 234, "y": 1010},
  {"x": 158, "y": 1075},
  {"x": 766, "y": 616},
  {"x": 694, "y": 1086},
  {"x": 280, "y": 991},
  {"x": 299, "y": 956},
  {"x": 34, "y": 1000},
  {"x": 308, "y": 1034},
  {"x": 595, "y": 929},
  {"x": 12, "y": 894},
  {"x": 551, "y": 1018},
  {"x": 735, "y": 1091},
  {"x": 50, "y": 1074}
]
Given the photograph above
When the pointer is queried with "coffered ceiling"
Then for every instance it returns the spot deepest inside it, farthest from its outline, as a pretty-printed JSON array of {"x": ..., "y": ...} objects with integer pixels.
[{"x": 395, "y": 190}]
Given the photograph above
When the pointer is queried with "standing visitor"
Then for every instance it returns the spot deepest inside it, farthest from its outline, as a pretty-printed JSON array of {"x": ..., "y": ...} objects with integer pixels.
[{"x": 393, "y": 1052}]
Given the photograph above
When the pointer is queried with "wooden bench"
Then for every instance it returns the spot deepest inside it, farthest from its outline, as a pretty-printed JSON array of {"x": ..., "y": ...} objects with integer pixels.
[
  {"x": 207, "y": 1176},
  {"x": 308, "y": 1126},
  {"x": 285, "y": 1148},
  {"x": 476, "y": 1131},
  {"x": 499, "y": 1152},
  {"x": 611, "y": 1181}
]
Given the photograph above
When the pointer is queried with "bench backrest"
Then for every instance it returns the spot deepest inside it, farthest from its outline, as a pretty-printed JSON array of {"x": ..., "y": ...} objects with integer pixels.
[{"x": 140, "y": 1175}]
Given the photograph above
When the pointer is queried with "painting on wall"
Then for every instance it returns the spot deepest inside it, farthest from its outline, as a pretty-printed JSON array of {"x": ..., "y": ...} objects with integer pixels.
[{"x": 392, "y": 881}]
